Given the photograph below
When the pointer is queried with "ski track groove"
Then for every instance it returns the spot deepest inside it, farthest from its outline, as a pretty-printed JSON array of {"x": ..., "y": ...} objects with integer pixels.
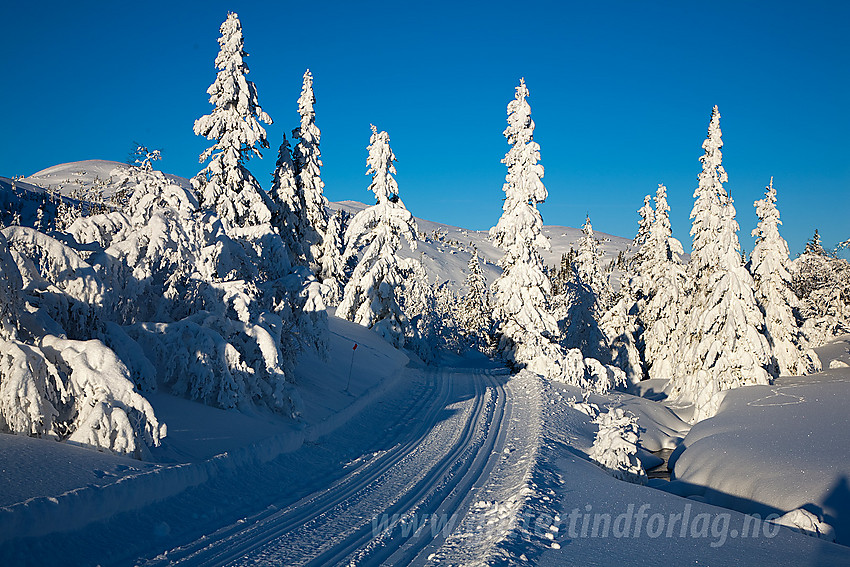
[
  {"x": 433, "y": 469},
  {"x": 191, "y": 552}
]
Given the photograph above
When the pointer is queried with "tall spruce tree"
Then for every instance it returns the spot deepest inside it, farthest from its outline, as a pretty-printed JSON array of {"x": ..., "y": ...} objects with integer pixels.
[
  {"x": 726, "y": 347},
  {"x": 769, "y": 265},
  {"x": 225, "y": 184},
  {"x": 520, "y": 309},
  {"x": 308, "y": 163}
]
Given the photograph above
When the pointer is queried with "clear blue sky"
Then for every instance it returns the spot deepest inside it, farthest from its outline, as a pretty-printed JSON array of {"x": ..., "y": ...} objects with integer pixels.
[{"x": 621, "y": 93}]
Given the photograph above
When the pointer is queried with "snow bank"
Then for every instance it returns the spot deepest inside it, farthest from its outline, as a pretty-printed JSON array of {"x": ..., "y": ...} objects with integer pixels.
[
  {"x": 776, "y": 448},
  {"x": 203, "y": 442},
  {"x": 577, "y": 514}
]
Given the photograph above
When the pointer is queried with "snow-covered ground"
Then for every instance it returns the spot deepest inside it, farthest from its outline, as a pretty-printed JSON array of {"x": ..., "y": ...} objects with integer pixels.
[
  {"x": 461, "y": 465},
  {"x": 392, "y": 462},
  {"x": 778, "y": 448}
]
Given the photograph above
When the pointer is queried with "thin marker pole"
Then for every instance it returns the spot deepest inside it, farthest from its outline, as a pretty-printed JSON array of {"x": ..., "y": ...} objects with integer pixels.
[{"x": 350, "y": 368}]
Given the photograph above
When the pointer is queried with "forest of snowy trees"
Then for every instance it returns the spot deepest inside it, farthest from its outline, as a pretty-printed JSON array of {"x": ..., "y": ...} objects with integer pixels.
[{"x": 212, "y": 292}]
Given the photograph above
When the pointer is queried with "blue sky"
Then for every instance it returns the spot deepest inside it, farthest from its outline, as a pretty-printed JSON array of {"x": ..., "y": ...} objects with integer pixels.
[{"x": 621, "y": 93}]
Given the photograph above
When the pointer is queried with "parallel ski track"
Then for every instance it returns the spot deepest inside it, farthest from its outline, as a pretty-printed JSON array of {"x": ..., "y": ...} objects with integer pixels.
[{"x": 335, "y": 525}]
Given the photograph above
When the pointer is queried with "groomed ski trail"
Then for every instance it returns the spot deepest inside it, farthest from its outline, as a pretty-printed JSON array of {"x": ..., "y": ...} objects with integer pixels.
[{"x": 396, "y": 506}]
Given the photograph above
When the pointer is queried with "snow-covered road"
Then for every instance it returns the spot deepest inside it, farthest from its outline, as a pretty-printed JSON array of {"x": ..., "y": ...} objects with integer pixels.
[{"x": 397, "y": 502}]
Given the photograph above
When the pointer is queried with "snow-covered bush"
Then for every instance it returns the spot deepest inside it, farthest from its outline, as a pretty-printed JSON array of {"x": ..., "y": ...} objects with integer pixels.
[
  {"x": 615, "y": 446},
  {"x": 807, "y": 523},
  {"x": 220, "y": 361},
  {"x": 572, "y": 367},
  {"x": 77, "y": 391},
  {"x": 822, "y": 282},
  {"x": 53, "y": 386},
  {"x": 66, "y": 287}
]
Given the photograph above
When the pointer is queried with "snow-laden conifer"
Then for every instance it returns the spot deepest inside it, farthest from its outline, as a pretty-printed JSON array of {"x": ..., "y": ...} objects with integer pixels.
[
  {"x": 290, "y": 217},
  {"x": 822, "y": 282},
  {"x": 769, "y": 265},
  {"x": 475, "y": 313},
  {"x": 225, "y": 185},
  {"x": 622, "y": 327},
  {"x": 10, "y": 288},
  {"x": 663, "y": 283},
  {"x": 333, "y": 267},
  {"x": 520, "y": 305},
  {"x": 587, "y": 266},
  {"x": 815, "y": 246},
  {"x": 726, "y": 347},
  {"x": 647, "y": 217},
  {"x": 370, "y": 296},
  {"x": 308, "y": 163}
]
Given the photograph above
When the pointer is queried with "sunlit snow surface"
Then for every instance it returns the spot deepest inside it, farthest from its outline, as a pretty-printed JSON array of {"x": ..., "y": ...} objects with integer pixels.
[{"x": 378, "y": 430}]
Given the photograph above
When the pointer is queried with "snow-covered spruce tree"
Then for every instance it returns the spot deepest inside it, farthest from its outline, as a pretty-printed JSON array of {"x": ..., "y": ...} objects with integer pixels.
[
  {"x": 10, "y": 290},
  {"x": 726, "y": 347},
  {"x": 476, "y": 319},
  {"x": 225, "y": 185},
  {"x": 615, "y": 446},
  {"x": 647, "y": 217},
  {"x": 623, "y": 322},
  {"x": 290, "y": 217},
  {"x": 663, "y": 281},
  {"x": 308, "y": 163},
  {"x": 520, "y": 306},
  {"x": 579, "y": 314},
  {"x": 370, "y": 296},
  {"x": 814, "y": 246},
  {"x": 588, "y": 269},
  {"x": 769, "y": 265},
  {"x": 333, "y": 267}
]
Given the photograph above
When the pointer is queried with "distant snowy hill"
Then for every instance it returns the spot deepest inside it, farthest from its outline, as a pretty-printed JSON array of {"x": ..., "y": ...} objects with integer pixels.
[
  {"x": 67, "y": 176},
  {"x": 445, "y": 250}
]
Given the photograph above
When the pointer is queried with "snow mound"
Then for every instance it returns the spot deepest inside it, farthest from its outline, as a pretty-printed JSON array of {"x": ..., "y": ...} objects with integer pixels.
[
  {"x": 807, "y": 523},
  {"x": 773, "y": 449}
]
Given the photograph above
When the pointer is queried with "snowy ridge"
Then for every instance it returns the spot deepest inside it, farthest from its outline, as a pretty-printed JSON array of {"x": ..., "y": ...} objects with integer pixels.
[{"x": 86, "y": 173}]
